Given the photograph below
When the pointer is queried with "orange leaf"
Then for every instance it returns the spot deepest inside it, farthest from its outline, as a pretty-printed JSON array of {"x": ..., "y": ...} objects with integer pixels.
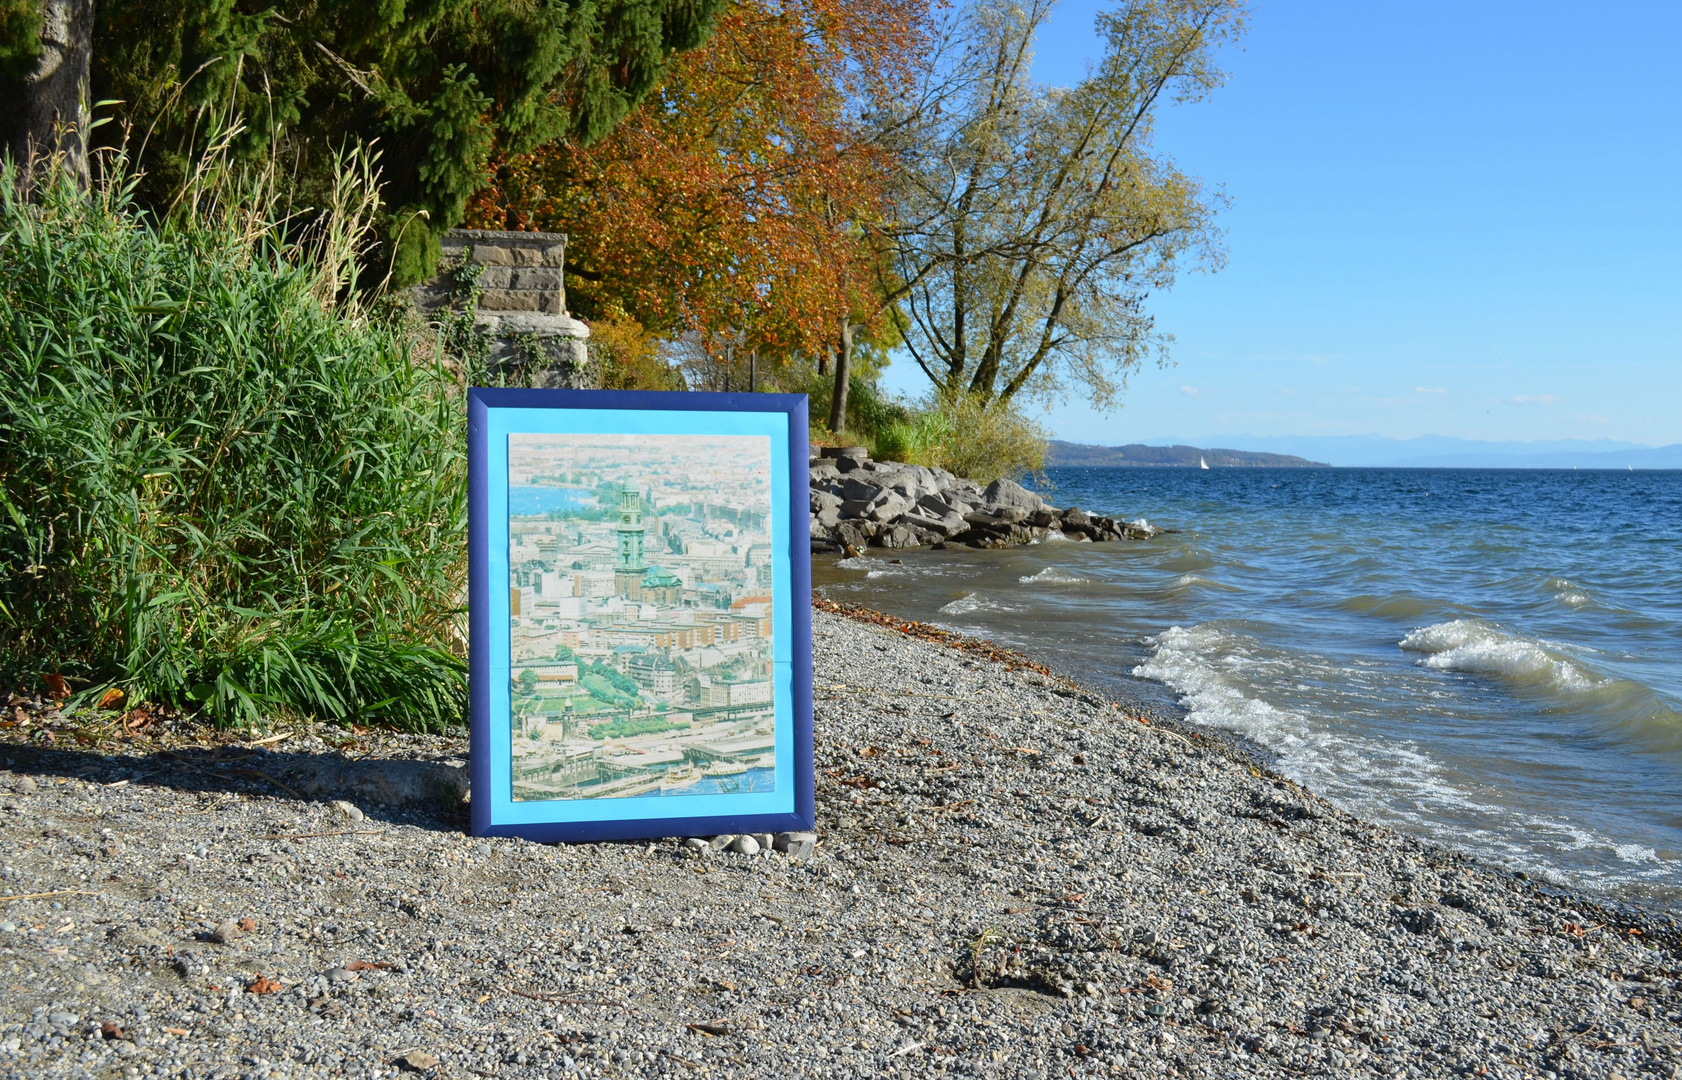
[
  {"x": 368, "y": 965},
  {"x": 56, "y": 686},
  {"x": 248, "y": 924},
  {"x": 111, "y": 698},
  {"x": 264, "y": 985}
]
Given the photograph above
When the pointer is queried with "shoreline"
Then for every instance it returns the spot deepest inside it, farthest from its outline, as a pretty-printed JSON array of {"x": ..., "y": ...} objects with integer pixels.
[{"x": 1013, "y": 877}]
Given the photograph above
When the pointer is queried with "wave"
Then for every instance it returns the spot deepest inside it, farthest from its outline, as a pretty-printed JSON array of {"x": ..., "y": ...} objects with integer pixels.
[
  {"x": 1387, "y": 607},
  {"x": 1570, "y": 594},
  {"x": 1052, "y": 575},
  {"x": 1193, "y": 581},
  {"x": 1220, "y": 676},
  {"x": 970, "y": 603},
  {"x": 1483, "y": 648}
]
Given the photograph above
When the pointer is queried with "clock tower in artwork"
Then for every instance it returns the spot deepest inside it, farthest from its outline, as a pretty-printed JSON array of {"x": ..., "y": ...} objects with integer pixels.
[{"x": 630, "y": 566}]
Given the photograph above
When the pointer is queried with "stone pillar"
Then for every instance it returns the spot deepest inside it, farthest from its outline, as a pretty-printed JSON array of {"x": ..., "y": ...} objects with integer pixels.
[{"x": 522, "y": 301}]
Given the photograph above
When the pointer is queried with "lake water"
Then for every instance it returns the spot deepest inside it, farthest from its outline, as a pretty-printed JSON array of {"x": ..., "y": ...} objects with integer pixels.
[
  {"x": 1490, "y": 659},
  {"x": 535, "y": 500}
]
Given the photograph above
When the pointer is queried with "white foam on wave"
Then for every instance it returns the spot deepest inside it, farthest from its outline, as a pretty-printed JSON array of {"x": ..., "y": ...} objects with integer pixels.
[
  {"x": 1053, "y": 575},
  {"x": 969, "y": 603},
  {"x": 1193, "y": 581},
  {"x": 1482, "y": 648},
  {"x": 1220, "y": 677},
  {"x": 1145, "y": 527},
  {"x": 1570, "y": 593},
  {"x": 1636, "y": 853}
]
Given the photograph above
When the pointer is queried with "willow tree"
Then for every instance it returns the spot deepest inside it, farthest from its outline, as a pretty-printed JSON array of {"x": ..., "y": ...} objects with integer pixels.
[
  {"x": 433, "y": 84},
  {"x": 1032, "y": 222}
]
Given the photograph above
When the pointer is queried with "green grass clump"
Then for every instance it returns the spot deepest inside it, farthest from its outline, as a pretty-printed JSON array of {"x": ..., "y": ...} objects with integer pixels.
[
  {"x": 622, "y": 729},
  {"x": 221, "y": 488},
  {"x": 965, "y": 438}
]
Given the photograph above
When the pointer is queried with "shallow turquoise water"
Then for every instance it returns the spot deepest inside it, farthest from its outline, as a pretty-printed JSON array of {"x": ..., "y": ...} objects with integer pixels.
[{"x": 1489, "y": 658}]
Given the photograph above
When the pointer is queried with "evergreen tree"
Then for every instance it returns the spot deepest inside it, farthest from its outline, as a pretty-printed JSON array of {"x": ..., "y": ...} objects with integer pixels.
[{"x": 433, "y": 84}]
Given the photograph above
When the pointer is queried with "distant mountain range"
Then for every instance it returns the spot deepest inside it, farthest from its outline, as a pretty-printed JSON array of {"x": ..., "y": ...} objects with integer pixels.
[
  {"x": 1428, "y": 452},
  {"x": 1175, "y": 457}
]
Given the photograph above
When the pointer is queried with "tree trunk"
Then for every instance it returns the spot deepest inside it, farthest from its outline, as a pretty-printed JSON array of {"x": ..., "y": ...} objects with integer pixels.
[
  {"x": 50, "y": 115},
  {"x": 843, "y": 365}
]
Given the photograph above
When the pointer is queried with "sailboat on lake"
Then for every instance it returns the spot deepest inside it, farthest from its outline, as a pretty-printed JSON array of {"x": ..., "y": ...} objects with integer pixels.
[{"x": 1201, "y": 464}]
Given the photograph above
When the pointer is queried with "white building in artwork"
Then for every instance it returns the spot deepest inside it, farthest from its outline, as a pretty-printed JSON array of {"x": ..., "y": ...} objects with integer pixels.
[{"x": 717, "y": 692}]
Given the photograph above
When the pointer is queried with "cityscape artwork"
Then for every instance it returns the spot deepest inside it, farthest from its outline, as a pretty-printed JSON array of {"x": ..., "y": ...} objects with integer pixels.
[{"x": 639, "y": 599}]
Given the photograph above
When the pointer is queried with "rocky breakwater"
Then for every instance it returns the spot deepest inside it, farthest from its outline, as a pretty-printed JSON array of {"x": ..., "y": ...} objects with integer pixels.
[{"x": 858, "y": 503}]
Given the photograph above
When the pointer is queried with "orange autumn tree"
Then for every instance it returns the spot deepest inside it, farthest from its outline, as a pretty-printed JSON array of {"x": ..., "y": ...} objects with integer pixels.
[{"x": 734, "y": 204}]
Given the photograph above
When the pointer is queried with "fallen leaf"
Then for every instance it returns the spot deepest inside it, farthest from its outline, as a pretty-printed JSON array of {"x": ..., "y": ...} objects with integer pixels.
[
  {"x": 247, "y": 924},
  {"x": 56, "y": 686},
  {"x": 111, "y": 698},
  {"x": 111, "y": 1031},
  {"x": 135, "y": 719},
  {"x": 368, "y": 965},
  {"x": 175, "y": 1031},
  {"x": 264, "y": 985}
]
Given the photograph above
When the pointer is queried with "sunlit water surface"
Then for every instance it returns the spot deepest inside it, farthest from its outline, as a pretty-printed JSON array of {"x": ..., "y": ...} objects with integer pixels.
[{"x": 1491, "y": 659}]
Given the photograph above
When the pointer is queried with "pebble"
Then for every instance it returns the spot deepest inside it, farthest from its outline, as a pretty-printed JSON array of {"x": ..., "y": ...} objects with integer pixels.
[
  {"x": 745, "y": 845},
  {"x": 796, "y": 845},
  {"x": 25, "y": 785},
  {"x": 347, "y": 809},
  {"x": 226, "y": 931},
  {"x": 417, "y": 1061}
]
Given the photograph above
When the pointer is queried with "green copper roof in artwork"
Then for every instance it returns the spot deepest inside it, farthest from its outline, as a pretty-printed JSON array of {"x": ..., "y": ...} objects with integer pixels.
[{"x": 660, "y": 578}]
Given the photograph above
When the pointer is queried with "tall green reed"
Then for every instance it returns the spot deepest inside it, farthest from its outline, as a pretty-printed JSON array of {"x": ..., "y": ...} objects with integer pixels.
[{"x": 224, "y": 486}]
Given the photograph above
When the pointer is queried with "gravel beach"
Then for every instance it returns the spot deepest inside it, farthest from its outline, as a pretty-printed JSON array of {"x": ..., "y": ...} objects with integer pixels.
[{"x": 1013, "y": 877}]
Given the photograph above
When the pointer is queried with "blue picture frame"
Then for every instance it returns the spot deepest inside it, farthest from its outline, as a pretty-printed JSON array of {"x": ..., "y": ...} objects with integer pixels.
[{"x": 670, "y": 734}]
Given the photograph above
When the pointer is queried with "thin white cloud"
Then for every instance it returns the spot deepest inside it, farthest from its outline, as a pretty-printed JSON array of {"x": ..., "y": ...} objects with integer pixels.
[
  {"x": 1288, "y": 390},
  {"x": 1192, "y": 390},
  {"x": 1429, "y": 390},
  {"x": 1533, "y": 399},
  {"x": 1588, "y": 418}
]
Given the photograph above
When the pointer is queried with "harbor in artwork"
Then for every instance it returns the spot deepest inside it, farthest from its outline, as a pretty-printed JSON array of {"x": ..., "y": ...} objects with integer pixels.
[{"x": 640, "y": 600}]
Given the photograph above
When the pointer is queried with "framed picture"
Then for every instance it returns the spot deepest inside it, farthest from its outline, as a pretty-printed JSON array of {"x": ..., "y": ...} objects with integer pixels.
[{"x": 639, "y": 614}]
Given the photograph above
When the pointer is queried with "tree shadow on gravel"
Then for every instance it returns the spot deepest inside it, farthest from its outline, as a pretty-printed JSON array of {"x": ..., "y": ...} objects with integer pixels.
[{"x": 429, "y": 794}]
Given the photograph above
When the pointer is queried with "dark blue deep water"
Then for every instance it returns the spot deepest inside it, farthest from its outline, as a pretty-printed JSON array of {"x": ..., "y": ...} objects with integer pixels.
[{"x": 1491, "y": 659}]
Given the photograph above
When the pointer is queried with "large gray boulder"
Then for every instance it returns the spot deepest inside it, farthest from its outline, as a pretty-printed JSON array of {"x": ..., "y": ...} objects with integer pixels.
[
  {"x": 856, "y": 489},
  {"x": 887, "y": 505},
  {"x": 826, "y": 509},
  {"x": 1010, "y": 494}
]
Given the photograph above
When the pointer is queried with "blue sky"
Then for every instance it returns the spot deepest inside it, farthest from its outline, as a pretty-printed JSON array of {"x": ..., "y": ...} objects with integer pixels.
[{"x": 1447, "y": 219}]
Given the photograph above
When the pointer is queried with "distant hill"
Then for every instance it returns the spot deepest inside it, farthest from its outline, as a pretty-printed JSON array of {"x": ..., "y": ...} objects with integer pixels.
[
  {"x": 1174, "y": 457},
  {"x": 1437, "y": 451}
]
